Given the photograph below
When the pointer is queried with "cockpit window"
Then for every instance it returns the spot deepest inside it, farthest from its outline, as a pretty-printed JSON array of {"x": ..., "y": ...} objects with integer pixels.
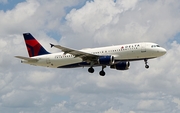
[{"x": 155, "y": 46}]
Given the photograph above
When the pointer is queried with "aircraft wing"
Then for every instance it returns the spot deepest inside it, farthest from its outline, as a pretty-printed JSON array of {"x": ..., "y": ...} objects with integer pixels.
[
  {"x": 85, "y": 56},
  {"x": 27, "y": 58}
]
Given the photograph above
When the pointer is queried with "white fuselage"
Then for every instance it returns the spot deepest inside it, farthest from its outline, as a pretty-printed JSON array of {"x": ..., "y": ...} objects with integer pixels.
[{"x": 127, "y": 52}]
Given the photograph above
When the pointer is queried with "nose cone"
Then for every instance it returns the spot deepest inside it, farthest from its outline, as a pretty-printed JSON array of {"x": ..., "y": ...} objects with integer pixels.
[{"x": 162, "y": 51}]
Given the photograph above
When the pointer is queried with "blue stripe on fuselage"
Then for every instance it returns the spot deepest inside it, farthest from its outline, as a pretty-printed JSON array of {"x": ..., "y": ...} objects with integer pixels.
[{"x": 80, "y": 64}]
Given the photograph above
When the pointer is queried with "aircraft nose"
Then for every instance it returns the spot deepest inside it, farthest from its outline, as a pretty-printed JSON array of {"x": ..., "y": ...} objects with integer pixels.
[{"x": 163, "y": 51}]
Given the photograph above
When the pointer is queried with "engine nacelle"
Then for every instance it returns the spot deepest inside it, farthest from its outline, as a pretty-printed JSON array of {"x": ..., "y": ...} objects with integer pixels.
[
  {"x": 121, "y": 65},
  {"x": 106, "y": 60}
]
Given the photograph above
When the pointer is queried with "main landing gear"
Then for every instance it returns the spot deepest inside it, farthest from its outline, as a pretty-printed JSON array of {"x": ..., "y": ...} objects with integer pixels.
[
  {"x": 102, "y": 73},
  {"x": 146, "y": 64},
  {"x": 91, "y": 70}
]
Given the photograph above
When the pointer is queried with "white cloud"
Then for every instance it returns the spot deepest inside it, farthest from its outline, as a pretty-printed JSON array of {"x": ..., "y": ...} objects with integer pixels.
[
  {"x": 151, "y": 105},
  {"x": 16, "y": 18},
  {"x": 39, "y": 77},
  {"x": 60, "y": 107},
  {"x": 10, "y": 99},
  {"x": 111, "y": 110},
  {"x": 177, "y": 101},
  {"x": 106, "y": 22},
  {"x": 127, "y": 4},
  {"x": 132, "y": 112},
  {"x": 89, "y": 18}
]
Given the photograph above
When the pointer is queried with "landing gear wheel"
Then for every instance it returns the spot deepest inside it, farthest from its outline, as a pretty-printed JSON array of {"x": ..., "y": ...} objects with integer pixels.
[
  {"x": 102, "y": 73},
  {"x": 91, "y": 70},
  {"x": 146, "y": 66}
]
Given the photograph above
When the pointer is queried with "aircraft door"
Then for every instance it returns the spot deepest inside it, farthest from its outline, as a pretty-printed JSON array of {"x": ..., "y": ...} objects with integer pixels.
[
  {"x": 48, "y": 61},
  {"x": 143, "y": 48}
]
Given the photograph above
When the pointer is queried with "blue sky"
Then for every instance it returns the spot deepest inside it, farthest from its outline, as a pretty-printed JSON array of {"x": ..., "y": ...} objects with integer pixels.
[
  {"x": 177, "y": 37},
  {"x": 10, "y": 4}
]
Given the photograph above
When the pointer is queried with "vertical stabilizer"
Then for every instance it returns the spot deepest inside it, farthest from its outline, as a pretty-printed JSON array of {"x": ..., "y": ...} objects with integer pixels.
[{"x": 34, "y": 48}]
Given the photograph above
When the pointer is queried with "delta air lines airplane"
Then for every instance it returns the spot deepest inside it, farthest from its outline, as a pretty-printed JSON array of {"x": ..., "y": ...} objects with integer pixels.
[{"x": 116, "y": 57}]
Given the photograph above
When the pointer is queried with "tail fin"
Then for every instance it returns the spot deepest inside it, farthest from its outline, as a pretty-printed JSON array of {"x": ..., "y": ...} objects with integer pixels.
[{"x": 34, "y": 48}]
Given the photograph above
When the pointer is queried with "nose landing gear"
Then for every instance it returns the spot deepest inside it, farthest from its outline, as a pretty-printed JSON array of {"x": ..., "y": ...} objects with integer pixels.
[{"x": 146, "y": 64}]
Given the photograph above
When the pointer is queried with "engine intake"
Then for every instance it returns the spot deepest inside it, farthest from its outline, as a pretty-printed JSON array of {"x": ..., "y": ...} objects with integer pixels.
[
  {"x": 106, "y": 60},
  {"x": 121, "y": 65}
]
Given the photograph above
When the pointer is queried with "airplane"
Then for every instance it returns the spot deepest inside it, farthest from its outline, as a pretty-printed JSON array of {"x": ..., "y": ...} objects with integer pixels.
[{"x": 116, "y": 57}]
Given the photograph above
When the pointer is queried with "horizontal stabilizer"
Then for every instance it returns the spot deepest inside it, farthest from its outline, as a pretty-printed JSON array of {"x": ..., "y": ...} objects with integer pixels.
[{"x": 27, "y": 58}]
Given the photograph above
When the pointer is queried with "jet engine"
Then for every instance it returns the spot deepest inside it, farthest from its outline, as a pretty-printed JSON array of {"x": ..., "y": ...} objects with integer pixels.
[
  {"x": 106, "y": 60},
  {"x": 121, "y": 65}
]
